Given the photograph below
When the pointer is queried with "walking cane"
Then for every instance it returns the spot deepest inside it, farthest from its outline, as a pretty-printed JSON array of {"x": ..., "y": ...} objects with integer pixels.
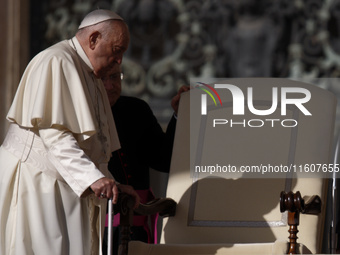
[{"x": 110, "y": 237}]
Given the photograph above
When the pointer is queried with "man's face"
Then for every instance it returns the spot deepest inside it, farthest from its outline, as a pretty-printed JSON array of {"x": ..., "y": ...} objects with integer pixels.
[
  {"x": 112, "y": 84},
  {"x": 108, "y": 53}
]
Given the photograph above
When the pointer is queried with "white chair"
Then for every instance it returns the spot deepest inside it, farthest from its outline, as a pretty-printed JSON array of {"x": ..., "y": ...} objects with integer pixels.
[{"x": 239, "y": 213}]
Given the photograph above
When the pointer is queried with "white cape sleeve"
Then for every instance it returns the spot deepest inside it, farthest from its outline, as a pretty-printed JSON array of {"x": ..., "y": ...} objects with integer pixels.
[{"x": 72, "y": 163}]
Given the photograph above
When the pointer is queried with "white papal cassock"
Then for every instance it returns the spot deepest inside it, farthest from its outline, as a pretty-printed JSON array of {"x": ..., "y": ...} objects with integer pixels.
[{"x": 60, "y": 139}]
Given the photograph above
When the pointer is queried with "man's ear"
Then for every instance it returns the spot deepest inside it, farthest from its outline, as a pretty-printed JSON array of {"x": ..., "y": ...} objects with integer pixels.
[{"x": 93, "y": 39}]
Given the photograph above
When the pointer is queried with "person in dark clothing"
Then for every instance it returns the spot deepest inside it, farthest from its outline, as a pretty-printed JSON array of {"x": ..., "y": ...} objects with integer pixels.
[{"x": 144, "y": 145}]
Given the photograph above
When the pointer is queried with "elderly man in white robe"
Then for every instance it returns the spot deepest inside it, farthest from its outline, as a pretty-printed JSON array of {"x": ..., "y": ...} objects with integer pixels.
[{"x": 54, "y": 181}]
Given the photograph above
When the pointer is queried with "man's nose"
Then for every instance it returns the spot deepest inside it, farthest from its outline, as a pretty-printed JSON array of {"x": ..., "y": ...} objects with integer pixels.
[{"x": 108, "y": 85}]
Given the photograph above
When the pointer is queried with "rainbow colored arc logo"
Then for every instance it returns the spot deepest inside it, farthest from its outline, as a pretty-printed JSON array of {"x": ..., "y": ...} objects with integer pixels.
[{"x": 208, "y": 92}]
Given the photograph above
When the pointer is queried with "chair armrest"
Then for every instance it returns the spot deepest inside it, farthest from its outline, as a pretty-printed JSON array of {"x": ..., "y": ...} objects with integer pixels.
[
  {"x": 312, "y": 206},
  {"x": 295, "y": 204},
  {"x": 166, "y": 207}
]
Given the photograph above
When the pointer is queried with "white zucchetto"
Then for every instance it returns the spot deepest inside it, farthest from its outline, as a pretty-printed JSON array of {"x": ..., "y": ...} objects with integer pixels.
[{"x": 98, "y": 16}]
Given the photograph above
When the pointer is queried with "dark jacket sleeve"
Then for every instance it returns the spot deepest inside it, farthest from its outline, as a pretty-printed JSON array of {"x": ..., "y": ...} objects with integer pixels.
[
  {"x": 144, "y": 144},
  {"x": 160, "y": 143}
]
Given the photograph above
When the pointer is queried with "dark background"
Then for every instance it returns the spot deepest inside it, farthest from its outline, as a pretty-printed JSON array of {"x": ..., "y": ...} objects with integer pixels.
[{"x": 172, "y": 41}]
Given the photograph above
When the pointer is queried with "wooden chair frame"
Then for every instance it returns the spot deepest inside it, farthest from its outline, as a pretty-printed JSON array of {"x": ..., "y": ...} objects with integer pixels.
[{"x": 166, "y": 207}]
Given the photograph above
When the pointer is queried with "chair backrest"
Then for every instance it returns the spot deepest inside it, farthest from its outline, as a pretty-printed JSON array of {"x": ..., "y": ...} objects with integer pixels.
[{"x": 242, "y": 207}]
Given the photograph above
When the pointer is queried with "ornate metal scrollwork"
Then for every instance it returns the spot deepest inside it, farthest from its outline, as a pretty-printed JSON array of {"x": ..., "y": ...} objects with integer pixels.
[{"x": 174, "y": 40}]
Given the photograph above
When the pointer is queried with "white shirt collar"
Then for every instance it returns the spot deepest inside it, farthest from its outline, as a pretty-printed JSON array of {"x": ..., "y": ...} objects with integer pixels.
[{"x": 76, "y": 45}]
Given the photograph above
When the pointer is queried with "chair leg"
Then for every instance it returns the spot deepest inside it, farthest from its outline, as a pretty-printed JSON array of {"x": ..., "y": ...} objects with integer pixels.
[
  {"x": 126, "y": 221},
  {"x": 294, "y": 204},
  {"x": 293, "y": 222},
  {"x": 125, "y": 238}
]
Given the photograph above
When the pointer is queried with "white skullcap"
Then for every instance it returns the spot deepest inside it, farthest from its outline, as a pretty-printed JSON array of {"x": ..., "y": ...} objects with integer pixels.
[{"x": 98, "y": 16}]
